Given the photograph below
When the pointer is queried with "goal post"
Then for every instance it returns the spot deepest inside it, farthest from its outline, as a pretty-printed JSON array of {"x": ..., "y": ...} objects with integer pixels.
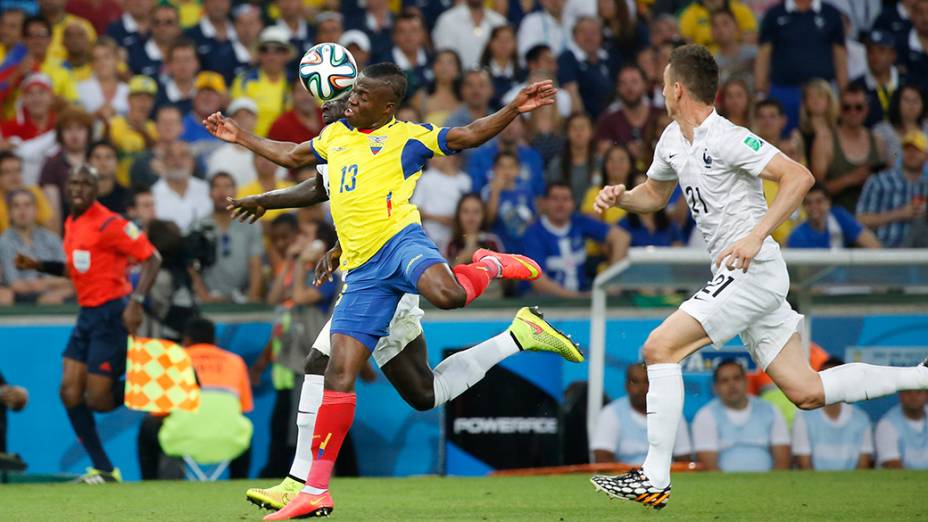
[{"x": 810, "y": 270}]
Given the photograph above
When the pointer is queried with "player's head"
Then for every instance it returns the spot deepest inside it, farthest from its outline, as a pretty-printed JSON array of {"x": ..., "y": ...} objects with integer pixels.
[
  {"x": 690, "y": 78},
  {"x": 199, "y": 330},
  {"x": 817, "y": 204},
  {"x": 376, "y": 95},
  {"x": 334, "y": 110},
  {"x": 636, "y": 384},
  {"x": 730, "y": 383},
  {"x": 81, "y": 189}
]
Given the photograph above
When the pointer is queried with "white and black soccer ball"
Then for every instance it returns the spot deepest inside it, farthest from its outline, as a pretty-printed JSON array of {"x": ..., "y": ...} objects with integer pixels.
[{"x": 328, "y": 71}]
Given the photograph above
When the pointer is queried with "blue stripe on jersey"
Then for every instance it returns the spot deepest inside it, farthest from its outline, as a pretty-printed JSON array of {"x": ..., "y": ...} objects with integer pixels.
[
  {"x": 414, "y": 156},
  {"x": 319, "y": 159},
  {"x": 443, "y": 142}
]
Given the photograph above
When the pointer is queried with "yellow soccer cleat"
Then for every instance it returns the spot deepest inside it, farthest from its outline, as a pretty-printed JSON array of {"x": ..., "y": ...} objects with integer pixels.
[
  {"x": 274, "y": 497},
  {"x": 533, "y": 334}
]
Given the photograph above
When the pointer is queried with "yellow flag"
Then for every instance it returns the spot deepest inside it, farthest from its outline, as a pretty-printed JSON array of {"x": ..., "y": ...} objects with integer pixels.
[{"x": 159, "y": 377}]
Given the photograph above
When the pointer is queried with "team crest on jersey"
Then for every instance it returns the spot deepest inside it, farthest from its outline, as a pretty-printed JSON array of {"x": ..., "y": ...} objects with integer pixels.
[
  {"x": 131, "y": 230},
  {"x": 376, "y": 143}
]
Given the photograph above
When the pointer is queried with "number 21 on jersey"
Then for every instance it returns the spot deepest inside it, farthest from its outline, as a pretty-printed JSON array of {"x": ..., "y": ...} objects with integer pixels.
[
  {"x": 349, "y": 178},
  {"x": 694, "y": 198}
]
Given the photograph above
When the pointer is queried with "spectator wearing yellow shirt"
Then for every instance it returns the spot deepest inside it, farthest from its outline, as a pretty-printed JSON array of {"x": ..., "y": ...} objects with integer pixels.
[
  {"x": 617, "y": 170},
  {"x": 267, "y": 179},
  {"x": 37, "y": 37},
  {"x": 769, "y": 123},
  {"x": 78, "y": 44},
  {"x": 696, "y": 21},
  {"x": 267, "y": 84},
  {"x": 11, "y": 180},
  {"x": 54, "y": 12},
  {"x": 134, "y": 132}
]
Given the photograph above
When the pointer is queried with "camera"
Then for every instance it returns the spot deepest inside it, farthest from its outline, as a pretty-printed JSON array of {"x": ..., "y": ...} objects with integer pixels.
[{"x": 200, "y": 245}]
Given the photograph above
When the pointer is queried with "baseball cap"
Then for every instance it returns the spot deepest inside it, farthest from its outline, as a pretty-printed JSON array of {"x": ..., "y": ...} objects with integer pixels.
[
  {"x": 916, "y": 139},
  {"x": 210, "y": 80},
  {"x": 883, "y": 38},
  {"x": 141, "y": 84},
  {"x": 356, "y": 37},
  {"x": 326, "y": 16},
  {"x": 239, "y": 104},
  {"x": 274, "y": 35},
  {"x": 39, "y": 79}
]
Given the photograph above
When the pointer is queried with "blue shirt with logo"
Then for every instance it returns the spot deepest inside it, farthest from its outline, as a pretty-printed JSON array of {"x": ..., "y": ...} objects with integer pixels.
[
  {"x": 561, "y": 251},
  {"x": 842, "y": 230}
]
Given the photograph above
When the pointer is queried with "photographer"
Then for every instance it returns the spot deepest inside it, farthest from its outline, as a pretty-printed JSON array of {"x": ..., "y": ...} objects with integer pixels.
[
  {"x": 233, "y": 249},
  {"x": 171, "y": 301}
]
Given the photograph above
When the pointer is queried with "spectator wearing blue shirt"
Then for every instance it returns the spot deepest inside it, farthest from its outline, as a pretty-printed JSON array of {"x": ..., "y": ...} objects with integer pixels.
[
  {"x": 837, "y": 437},
  {"x": 585, "y": 68},
  {"x": 829, "y": 227},
  {"x": 900, "y": 439},
  {"x": 214, "y": 36},
  {"x": 409, "y": 52},
  {"x": 181, "y": 68},
  {"x": 146, "y": 56},
  {"x": 557, "y": 241},
  {"x": 511, "y": 139},
  {"x": 475, "y": 92},
  {"x": 655, "y": 229},
  {"x": 913, "y": 52},
  {"x": 375, "y": 20},
  {"x": 133, "y": 25},
  {"x": 211, "y": 91},
  {"x": 893, "y": 200},
  {"x": 501, "y": 58},
  {"x": 510, "y": 202},
  {"x": 799, "y": 40},
  {"x": 895, "y": 20}
]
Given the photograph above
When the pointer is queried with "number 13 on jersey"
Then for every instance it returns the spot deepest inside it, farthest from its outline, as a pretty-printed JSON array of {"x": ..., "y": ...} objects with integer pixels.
[{"x": 349, "y": 178}]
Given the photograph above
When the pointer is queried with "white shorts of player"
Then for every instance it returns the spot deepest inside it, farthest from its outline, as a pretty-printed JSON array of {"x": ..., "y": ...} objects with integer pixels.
[
  {"x": 405, "y": 326},
  {"x": 752, "y": 305}
]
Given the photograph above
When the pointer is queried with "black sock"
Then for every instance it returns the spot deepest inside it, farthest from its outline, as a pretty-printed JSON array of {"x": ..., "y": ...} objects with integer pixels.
[{"x": 85, "y": 427}]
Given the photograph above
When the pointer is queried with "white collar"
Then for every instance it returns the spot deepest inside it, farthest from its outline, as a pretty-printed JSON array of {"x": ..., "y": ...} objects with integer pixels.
[
  {"x": 242, "y": 54},
  {"x": 870, "y": 80},
  {"x": 790, "y": 5},
  {"x": 399, "y": 58},
  {"x": 172, "y": 91},
  {"x": 554, "y": 229},
  {"x": 371, "y": 22},
  {"x": 903, "y": 12},
  {"x": 152, "y": 50},
  {"x": 301, "y": 30},
  {"x": 209, "y": 30},
  {"x": 581, "y": 55},
  {"x": 914, "y": 43},
  {"x": 496, "y": 70},
  {"x": 699, "y": 133},
  {"x": 129, "y": 23}
]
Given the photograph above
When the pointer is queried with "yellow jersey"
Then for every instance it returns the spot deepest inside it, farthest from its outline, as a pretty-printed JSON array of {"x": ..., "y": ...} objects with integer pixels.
[
  {"x": 372, "y": 175},
  {"x": 271, "y": 97},
  {"x": 696, "y": 22}
]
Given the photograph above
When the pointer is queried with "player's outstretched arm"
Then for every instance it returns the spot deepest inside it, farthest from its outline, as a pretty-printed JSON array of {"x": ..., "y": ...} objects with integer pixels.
[
  {"x": 304, "y": 194},
  {"x": 650, "y": 196},
  {"x": 478, "y": 132},
  {"x": 794, "y": 181},
  {"x": 285, "y": 154}
]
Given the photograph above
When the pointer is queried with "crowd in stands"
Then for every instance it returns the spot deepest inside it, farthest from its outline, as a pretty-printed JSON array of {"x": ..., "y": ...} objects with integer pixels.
[{"x": 838, "y": 85}]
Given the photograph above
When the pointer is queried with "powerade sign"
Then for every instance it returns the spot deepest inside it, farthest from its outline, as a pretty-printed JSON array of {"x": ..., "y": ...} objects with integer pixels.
[{"x": 510, "y": 419}]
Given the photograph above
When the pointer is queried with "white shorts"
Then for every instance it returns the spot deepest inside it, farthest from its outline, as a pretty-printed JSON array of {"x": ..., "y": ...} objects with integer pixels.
[
  {"x": 405, "y": 326},
  {"x": 751, "y": 304}
]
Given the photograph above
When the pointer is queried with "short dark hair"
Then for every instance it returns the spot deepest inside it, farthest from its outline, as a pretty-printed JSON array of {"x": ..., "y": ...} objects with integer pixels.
[
  {"x": 6, "y": 155},
  {"x": 693, "y": 66},
  {"x": 819, "y": 187},
  {"x": 136, "y": 192},
  {"x": 534, "y": 53},
  {"x": 287, "y": 220},
  {"x": 200, "y": 330},
  {"x": 392, "y": 75},
  {"x": 854, "y": 88},
  {"x": 36, "y": 19},
  {"x": 505, "y": 154},
  {"x": 181, "y": 43},
  {"x": 221, "y": 174},
  {"x": 768, "y": 102},
  {"x": 728, "y": 361},
  {"x": 101, "y": 143},
  {"x": 557, "y": 184},
  {"x": 169, "y": 107}
]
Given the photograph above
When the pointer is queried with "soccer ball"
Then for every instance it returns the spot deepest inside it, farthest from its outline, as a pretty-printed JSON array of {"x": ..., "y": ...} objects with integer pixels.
[{"x": 328, "y": 71}]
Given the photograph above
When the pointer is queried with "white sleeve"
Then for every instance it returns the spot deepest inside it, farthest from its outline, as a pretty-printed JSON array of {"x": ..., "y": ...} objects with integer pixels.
[
  {"x": 887, "y": 442},
  {"x": 441, "y": 35},
  {"x": 866, "y": 445},
  {"x": 323, "y": 170},
  {"x": 683, "y": 447},
  {"x": 779, "y": 435},
  {"x": 660, "y": 169},
  {"x": 705, "y": 434},
  {"x": 743, "y": 150},
  {"x": 607, "y": 431},
  {"x": 526, "y": 37},
  {"x": 801, "y": 443}
]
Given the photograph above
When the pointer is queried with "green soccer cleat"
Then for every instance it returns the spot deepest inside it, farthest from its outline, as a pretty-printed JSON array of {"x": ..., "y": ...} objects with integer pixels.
[
  {"x": 275, "y": 497},
  {"x": 532, "y": 333},
  {"x": 95, "y": 476}
]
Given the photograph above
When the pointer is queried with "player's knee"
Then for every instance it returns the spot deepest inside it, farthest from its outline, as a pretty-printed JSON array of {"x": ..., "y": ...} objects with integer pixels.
[
  {"x": 339, "y": 379},
  {"x": 71, "y": 394},
  {"x": 448, "y": 297},
  {"x": 421, "y": 399},
  {"x": 657, "y": 349},
  {"x": 99, "y": 402}
]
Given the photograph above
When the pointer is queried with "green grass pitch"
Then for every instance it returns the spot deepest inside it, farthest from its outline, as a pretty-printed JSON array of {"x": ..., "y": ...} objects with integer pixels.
[{"x": 780, "y": 496}]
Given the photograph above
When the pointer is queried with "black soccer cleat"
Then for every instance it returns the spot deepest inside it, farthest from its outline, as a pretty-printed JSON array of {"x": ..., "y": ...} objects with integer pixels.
[{"x": 633, "y": 486}]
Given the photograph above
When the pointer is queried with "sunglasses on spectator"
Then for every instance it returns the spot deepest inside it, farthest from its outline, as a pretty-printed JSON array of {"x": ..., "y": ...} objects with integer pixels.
[
  {"x": 853, "y": 107},
  {"x": 279, "y": 49}
]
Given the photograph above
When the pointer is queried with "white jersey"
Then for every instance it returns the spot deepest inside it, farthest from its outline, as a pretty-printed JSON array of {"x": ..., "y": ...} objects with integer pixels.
[
  {"x": 718, "y": 174},
  {"x": 323, "y": 170}
]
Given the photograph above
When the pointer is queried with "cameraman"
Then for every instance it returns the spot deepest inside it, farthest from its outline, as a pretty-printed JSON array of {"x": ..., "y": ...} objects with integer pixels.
[
  {"x": 170, "y": 302},
  {"x": 227, "y": 251}
]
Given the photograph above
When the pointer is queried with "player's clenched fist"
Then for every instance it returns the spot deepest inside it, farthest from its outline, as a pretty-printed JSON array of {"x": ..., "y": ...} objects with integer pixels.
[
  {"x": 608, "y": 197},
  {"x": 223, "y": 128}
]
